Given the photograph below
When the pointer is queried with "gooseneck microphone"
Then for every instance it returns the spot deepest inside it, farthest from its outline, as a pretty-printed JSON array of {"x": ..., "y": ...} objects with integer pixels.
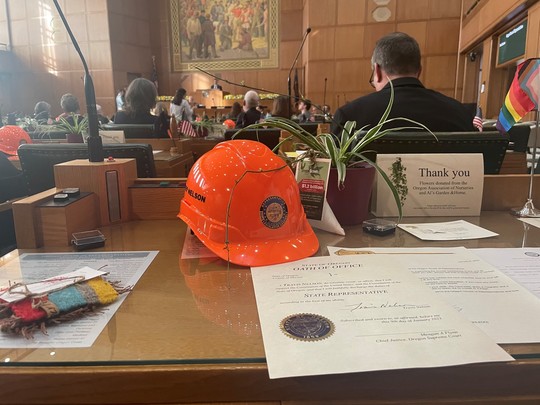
[
  {"x": 308, "y": 30},
  {"x": 95, "y": 145}
]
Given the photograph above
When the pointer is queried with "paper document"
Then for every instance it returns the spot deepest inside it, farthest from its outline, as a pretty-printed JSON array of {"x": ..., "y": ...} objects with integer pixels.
[
  {"x": 328, "y": 315},
  {"x": 520, "y": 264},
  {"x": 531, "y": 221},
  {"x": 124, "y": 267},
  {"x": 453, "y": 230},
  {"x": 494, "y": 302}
]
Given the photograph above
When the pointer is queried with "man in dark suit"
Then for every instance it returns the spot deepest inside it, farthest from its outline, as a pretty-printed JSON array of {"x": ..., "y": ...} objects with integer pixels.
[
  {"x": 216, "y": 85},
  {"x": 397, "y": 58},
  {"x": 250, "y": 115}
]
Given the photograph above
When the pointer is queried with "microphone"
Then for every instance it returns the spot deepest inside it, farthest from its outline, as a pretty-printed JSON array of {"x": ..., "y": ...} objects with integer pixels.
[
  {"x": 324, "y": 99},
  {"x": 95, "y": 144},
  {"x": 308, "y": 30}
]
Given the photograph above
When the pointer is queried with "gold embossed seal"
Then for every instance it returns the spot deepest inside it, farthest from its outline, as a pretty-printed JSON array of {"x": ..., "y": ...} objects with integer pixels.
[{"x": 307, "y": 327}]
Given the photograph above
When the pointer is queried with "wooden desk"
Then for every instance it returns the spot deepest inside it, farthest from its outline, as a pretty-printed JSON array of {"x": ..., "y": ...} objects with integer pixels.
[
  {"x": 183, "y": 337},
  {"x": 172, "y": 165}
]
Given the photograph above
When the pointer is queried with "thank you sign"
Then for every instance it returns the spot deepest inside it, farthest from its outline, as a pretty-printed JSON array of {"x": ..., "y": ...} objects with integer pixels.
[{"x": 430, "y": 184}]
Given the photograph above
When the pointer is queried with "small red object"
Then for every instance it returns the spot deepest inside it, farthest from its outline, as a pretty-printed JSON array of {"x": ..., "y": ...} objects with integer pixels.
[{"x": 110, "y": 159}]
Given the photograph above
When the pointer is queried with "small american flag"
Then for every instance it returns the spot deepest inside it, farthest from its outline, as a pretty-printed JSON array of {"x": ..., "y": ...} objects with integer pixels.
[
  {"x": 477, "y": 120},
  {"x": 186, "y": 128}
]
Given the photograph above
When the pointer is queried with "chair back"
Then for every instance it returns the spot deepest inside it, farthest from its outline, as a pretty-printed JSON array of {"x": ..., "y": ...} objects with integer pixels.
[
  {"x": 268, "y": 136},
  {"x": 492, "y": 145},
  {"x": 519, "y": 137},
  {"x": 38, "y": 160}
]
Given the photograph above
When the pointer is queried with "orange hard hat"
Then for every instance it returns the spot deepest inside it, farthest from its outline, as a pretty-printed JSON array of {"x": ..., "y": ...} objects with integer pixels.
[
  {"x": 266, "y": 221},
  {"x": 11, "y": 136},
  {"x": 230, "y": 124}
]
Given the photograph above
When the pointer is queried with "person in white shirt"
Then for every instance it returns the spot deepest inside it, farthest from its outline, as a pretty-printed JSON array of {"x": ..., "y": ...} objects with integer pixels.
[{"x": 180, "y": 107}]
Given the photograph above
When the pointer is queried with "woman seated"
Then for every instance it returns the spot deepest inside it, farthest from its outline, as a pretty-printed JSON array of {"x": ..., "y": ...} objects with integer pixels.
[
  {"x": 140, "y": 99},
  {"x": 236, "y": 109},
  {"x": 71, "y": 109},
  {"x": 281, "y": 107},
  {"x": 42, "y": 112}
]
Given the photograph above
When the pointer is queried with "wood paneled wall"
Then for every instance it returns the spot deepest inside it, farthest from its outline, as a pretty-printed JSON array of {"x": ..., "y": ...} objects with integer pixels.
[
  {"x": 134, "y": 39},
  {"x": 44, "y": 64},
  {"x": 344, "y": 35},
  {"x": 480, "y": 29}
]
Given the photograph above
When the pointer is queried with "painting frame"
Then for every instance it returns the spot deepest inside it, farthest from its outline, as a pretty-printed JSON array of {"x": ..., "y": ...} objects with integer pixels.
[{"x": 235, "y": 58}]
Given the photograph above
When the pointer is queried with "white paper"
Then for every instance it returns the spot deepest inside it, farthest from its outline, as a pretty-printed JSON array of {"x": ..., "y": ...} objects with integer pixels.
[
  {"x": 520, "y": 264},
  {"x": 453, "y": 230},
  {"x": 329, "y": 222},
  {"x": 434, "y": 185},
  {"x": 364, "y": 312},
  {"x": 123, "y": 267},
  {"x": 531, "y": 221},
  {"x": 494, "y": 302},
  {"x": 21, "y": 291}
]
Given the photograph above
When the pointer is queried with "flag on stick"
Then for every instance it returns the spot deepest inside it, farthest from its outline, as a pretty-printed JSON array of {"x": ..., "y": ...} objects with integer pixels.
[
  {"x": 477, "y": 120},
  {"x": 186, "y": 128},
  {"x": 522, "y": 96}
]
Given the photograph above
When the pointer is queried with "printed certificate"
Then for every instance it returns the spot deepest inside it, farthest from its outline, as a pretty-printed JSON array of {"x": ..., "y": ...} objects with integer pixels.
[
  {"x": 494, "y": 302},
  {"x": 329, "y": 315}
]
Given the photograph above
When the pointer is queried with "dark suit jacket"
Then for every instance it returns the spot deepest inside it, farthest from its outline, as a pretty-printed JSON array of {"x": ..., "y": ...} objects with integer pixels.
[
  {"x": 248, "y": 117},
  {"x": 411, "y": 100}
]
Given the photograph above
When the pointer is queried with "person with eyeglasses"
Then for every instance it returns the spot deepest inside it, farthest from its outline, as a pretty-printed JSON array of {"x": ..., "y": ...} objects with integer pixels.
[{"x": 396, "y": 57}]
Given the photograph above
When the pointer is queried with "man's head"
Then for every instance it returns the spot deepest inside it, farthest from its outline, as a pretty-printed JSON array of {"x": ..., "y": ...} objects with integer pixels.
[
  {"x": 304, "y": 105},
  {"x": 395, "y": 55},
  {"x": 251, "y": 99}
]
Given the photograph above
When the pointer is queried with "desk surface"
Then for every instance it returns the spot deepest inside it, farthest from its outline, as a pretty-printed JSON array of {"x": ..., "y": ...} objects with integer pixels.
[{"x": 183, "y": 336}]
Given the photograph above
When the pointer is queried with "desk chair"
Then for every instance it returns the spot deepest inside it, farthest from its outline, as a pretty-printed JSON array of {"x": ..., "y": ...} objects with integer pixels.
[
  {"x": 38, "y": 160},
  {"x": 133, "y": 131},
  {"x": 268, "y": 136},
  {"x": 492, "y": 145},
  {"x": 519, "y": 138}
]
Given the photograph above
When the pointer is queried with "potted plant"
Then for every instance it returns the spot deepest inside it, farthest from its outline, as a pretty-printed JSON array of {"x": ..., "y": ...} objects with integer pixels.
[
  {"x": 75, "y": 128},
  {"x": 346, "y": 151}
]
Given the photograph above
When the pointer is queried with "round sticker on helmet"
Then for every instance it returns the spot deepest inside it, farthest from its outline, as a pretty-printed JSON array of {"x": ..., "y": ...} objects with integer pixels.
[{"x": 273, "y": 212}]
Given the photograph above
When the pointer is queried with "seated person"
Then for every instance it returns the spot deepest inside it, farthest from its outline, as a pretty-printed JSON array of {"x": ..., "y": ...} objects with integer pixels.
[
  {"x": 397, "y": 58},
  {"x": 42, "y": 112},
  {"x": 305, "y": 113},
  {"x": 101, "y": 118},
  {"x": 161, "y": 112},
  {"x": 280, "y": 107},
  {"x": 236, "y": 109},
  {"x": 250, "y": 115},
  {"x": 71, "y": 109},
  {"x": 140, "y": 99}
]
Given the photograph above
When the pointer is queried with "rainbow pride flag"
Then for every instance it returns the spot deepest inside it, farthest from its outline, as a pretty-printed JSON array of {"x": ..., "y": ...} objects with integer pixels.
[{"x": 522, "y": 96}]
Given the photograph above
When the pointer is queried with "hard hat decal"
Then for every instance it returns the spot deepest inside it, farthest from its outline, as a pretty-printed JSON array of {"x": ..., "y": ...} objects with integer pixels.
[
  {"x": 273, "y": 212},
  {"x": 196, "y": 195}
]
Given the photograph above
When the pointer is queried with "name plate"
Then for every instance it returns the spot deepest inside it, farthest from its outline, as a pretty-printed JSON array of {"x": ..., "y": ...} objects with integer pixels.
[{"x": 430, "y": 184}]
